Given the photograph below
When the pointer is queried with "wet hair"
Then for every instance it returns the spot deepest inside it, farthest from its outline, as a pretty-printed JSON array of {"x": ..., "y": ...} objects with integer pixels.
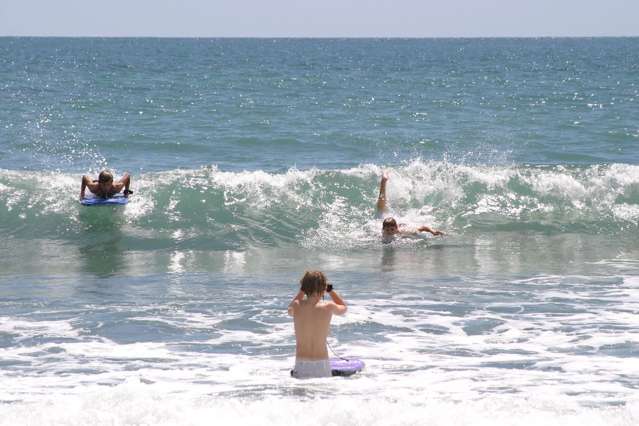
[
  {"x": 105, "y": 176},
  {"x": 388, "y": 222},
  {"x": 313, "y": 282}
]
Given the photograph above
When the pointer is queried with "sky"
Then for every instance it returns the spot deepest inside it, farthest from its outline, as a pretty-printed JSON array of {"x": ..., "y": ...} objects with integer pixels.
[{"x": 320, "y": 18}]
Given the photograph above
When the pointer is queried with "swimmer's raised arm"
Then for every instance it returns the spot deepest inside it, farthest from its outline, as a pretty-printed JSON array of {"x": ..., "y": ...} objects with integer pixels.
[{"x": 381, "y": 198}]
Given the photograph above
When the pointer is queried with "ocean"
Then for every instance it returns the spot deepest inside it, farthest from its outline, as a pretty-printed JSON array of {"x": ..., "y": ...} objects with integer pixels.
[{"x": 253, "y": 160}]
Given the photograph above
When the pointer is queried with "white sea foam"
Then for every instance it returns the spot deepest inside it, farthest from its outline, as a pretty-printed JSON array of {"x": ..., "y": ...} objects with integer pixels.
[
  {"x": 138, "y": 403},
  {"x": 331, "y": 207},
  {"x": 533, "y": 350},
  {"x": 25, "y": 329}
]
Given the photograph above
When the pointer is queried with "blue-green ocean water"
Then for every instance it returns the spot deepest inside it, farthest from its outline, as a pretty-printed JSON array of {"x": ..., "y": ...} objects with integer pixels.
[{"x": 255, "y": 159}]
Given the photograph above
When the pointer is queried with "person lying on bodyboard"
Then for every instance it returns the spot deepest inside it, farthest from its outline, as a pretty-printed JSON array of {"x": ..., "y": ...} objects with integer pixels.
[{"x": 105, "y": 186}]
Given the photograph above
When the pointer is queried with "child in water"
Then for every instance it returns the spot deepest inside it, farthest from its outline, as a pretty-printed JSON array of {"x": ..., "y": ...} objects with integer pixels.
[
  {"x": 105, "y": 187},
  {"x": 312, "y": 320},
  {"x": 390, "y": 227}
]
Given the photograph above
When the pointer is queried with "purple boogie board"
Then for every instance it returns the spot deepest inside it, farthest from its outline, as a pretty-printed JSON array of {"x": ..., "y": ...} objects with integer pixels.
[{"x": 346, "y": 367}]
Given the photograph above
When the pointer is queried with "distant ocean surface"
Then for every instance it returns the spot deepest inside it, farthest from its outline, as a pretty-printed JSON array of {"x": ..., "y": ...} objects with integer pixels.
[{"x": 255, "y": 159}]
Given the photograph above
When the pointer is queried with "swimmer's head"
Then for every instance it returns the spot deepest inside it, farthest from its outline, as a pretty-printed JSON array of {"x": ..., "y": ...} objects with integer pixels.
[
  {"x": 313, "y": 282},
  {"x": 389, "y": 227},
  {"x": 105, "y": 177}
]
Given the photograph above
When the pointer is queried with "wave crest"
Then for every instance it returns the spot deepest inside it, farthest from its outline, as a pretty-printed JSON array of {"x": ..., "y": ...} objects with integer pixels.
[{"x": 211, "y": 208}]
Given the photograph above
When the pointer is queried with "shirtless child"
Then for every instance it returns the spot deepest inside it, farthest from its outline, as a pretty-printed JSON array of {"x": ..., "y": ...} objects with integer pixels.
[
  {"x": 104, "y": 187},
  {"x": 312, "y": 318},
  {"x": 390, "y": 228}
]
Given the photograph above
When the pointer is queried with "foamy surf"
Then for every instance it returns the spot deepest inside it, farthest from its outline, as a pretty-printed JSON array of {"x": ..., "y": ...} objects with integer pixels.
[
  {"x": 441, "y": 350},
  {"x": 143, "y": 404},
  {"x": 256, "y": 207}
]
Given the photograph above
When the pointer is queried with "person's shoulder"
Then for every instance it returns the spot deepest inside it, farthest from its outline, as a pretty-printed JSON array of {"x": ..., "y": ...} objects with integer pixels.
[
  {"x": 293, "y": 307},
  {"x": 406, "y": 230}
]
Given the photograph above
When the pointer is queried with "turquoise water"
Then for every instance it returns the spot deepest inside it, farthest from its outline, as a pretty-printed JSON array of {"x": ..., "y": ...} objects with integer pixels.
[
  {"x": 78, "y": 104},
  {"x": 253, "y": 160}
]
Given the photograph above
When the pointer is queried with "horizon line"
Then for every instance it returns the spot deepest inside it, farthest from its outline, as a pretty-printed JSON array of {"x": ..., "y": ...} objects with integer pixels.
[{"x": 326, "y": 37}]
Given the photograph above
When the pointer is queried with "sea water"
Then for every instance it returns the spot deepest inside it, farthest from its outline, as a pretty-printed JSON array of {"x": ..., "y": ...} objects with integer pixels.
[{"x": 254, "y": 160}]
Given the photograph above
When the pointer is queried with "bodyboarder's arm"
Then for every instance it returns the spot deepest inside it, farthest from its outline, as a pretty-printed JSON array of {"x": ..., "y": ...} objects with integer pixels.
[{"x": 83, "y": 186}]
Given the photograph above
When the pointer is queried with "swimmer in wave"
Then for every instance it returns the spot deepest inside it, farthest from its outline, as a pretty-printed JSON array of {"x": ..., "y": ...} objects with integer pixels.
[
  {"x": 390, "y": 228},
  {"x": 104, "y": 186}
]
